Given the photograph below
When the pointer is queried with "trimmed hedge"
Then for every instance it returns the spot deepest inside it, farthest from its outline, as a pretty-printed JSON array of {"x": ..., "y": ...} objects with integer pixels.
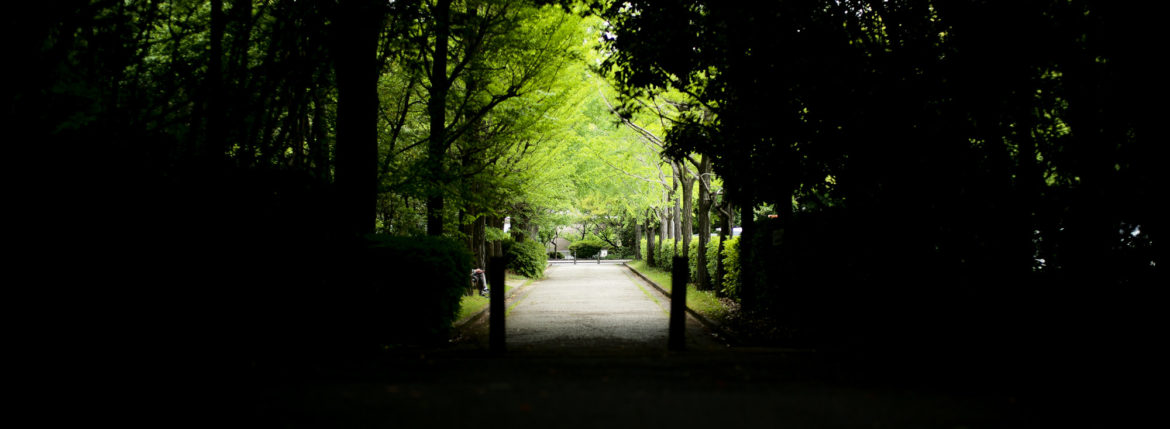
[
  {"x": 664, "y": 254},
  {"x": 731, "y": 267},
  {"x": 415, "y": 285},
  {"x": 587, "y": 248},
  {"x": 526, "y": 258}
]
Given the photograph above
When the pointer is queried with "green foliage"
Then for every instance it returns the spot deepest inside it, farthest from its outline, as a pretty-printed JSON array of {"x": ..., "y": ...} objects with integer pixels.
[
  {"x": 713, "y": 258},
  {"x": 495, "y": 234},
  {"x": 626, "y": 251},
  {"x": 526, "y": 258},
  {"x": 587, "y": 248},
  {"x": 731, "y": 267},
  {"x": 417, "y": 285},
  {"x": 471, "y": 304}
]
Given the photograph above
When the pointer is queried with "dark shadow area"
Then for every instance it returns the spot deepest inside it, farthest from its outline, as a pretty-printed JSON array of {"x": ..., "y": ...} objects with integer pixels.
[{"x": 940, "y": 198}]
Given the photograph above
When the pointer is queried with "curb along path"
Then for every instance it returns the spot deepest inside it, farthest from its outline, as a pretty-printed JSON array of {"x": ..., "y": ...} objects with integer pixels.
[
  {"x": 589, "y": 308},
  {"x": 712, "y": 325}
]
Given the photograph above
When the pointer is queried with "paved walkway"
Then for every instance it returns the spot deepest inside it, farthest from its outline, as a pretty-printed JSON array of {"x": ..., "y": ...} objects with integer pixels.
[{"x": 587, "y": 306}]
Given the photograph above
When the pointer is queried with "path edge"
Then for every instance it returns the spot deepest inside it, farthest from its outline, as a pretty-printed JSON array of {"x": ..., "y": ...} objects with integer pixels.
[{"x": 710, "y": 324}]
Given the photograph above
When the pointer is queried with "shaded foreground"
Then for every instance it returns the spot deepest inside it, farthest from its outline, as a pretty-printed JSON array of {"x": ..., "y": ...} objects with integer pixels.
[
  {"x": 603, "y": 371},
  {"x": 696, "y": 389}
]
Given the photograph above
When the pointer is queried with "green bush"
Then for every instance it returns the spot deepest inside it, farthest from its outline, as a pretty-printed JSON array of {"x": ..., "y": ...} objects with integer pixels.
[
  {"x": 731, "y": 267},
  {"x": 415, "y": 284},
  {"x": 526, "y": 258},
  {"x": 712, "y": 258},
  {"x": 587, "y": 248},
  {"x": 712, "y": 252},
  {"x": 664, "y": 255}
]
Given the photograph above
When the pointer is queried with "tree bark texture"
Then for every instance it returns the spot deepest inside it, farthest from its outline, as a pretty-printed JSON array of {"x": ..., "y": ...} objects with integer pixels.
[
  {"x": 637, "y": 241},
  {"x": 703, "y": 277},
  {"x": 650, "y": 241},
  {"x": 437, "y": 109},
  {"x": 686, "y": 226}
]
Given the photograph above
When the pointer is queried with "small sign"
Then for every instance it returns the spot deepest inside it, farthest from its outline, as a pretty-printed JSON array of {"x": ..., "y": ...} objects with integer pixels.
[{"x": 603, "y": 252}]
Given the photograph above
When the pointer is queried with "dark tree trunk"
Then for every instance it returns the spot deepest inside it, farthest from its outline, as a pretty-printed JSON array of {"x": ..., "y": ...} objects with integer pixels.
[
  {"x": 497, "y": 247},
  {"x": 357, "y": 29},
  {"x": 703, "y": 277},
  {"x": 319, "y": 148},
  {"x": 724, "y": 232},
  {"x": 213, "y": 149},
  {"x": 686, "y": 224},
  {"x": 747, "y": 268},
  {"x": 437, "y": 108},
  {"x": 650, "y": 241},
  {"x": 479, "y": 241},
  {"x": 676, "y": 227}
]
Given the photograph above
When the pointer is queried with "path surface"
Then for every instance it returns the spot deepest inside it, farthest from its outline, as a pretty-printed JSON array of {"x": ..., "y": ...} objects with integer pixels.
[{"x": 587, "y": 306}]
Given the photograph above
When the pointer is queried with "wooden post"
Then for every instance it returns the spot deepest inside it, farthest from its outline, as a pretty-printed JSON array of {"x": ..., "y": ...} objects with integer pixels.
[
  {"x": 496, "y": 304},
  {"x": 678, "y": 303}
]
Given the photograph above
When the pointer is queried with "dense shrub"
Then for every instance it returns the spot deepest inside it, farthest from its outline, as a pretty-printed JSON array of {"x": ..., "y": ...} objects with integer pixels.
[
  {"x": 526, "y": 258},
  {"x": 664, "y": 254},
  {"x": 713, "y": 259},
  {"x": 410, "y": 288},
  {"x": 731, "y": 267},
  {"x": 587, "y": 248},
  {"x": 626, "y": 238},
  {"x": 556, "y": 255}
]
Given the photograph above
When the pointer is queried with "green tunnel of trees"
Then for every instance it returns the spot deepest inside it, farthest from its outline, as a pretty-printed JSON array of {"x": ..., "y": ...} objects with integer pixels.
[{"x": 952, "y": 176}]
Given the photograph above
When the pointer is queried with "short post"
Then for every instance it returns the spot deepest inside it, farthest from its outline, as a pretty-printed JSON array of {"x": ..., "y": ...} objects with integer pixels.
[
  {"x": 598, "y": 259},
  {"x": 678, "y": 303},
  {"x": 496, "y": 308}
]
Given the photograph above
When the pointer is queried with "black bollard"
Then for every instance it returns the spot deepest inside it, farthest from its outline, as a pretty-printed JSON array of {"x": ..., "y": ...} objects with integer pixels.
[
  {"x": 496, "y": 304},
  {"x": 678, "y": 303}
]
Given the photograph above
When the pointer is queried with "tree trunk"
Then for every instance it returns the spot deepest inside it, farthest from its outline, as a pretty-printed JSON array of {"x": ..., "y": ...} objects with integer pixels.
[
  {"x": 437, "y": 108},
  {"x": 687, "y": 224},
  {"x": 214, "y": 150},
  {"x": 357, "y": 27},
  {"x": 479, "y": 240},
  {"x": 724, "y": 232},
  {"x": 637, "y": 241},
  {"x": 676, "y": 221},
  {"x": 663, "y": 224},
  {"x": 319, "y": 149},
  {"x": 497, "y": 247},
  {"x": 650, "y": 241},
  {"x": 747, "y": 268},
  {"x": 703, "y": 277}
]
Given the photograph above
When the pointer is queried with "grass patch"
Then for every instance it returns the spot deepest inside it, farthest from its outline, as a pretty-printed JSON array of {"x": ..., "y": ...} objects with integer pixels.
[
  {"x": 656, "y": 275},
  {"x": 470, "y": 305},
  {"x": 702, "y": 302}
]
